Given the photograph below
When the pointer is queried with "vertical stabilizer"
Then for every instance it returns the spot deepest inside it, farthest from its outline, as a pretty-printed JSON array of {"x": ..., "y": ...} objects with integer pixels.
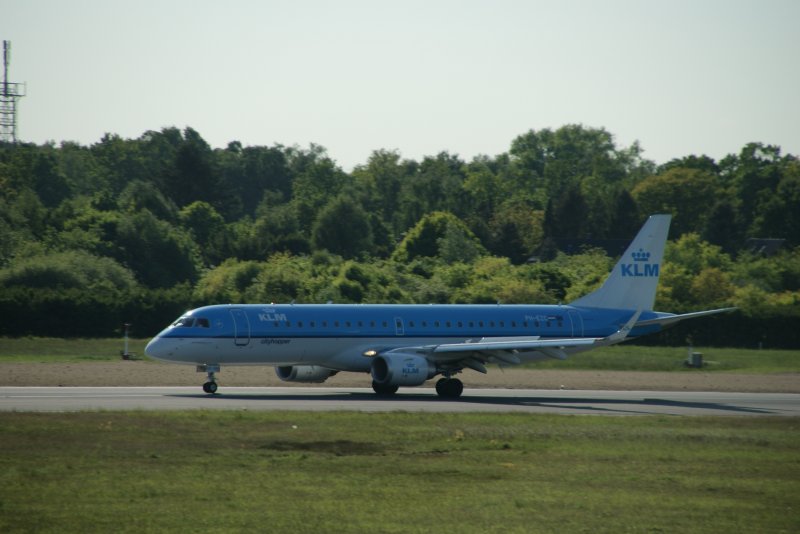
[{"x": 633, "y": 282}]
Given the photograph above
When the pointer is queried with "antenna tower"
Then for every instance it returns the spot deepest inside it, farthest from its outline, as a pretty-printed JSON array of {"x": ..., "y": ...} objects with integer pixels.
[{"x": 9, "y": 94}]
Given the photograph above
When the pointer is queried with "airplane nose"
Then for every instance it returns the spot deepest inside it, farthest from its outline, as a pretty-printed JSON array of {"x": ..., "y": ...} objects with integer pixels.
[{"x": 156, "y": 348}]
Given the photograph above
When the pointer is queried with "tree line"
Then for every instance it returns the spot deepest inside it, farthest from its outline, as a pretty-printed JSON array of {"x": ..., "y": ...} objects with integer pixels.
[{"x": 137, "y": 230}]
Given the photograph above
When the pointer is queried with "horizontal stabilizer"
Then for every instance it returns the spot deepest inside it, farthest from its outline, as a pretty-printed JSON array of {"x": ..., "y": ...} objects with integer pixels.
[{"x": 672, "y": 319}]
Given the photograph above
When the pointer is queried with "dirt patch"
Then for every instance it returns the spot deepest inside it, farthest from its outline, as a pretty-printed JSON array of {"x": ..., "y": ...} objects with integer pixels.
[{"x": 147, "y": 373}]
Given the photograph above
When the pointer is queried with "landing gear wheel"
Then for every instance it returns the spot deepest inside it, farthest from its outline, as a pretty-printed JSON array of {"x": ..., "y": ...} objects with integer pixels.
[
  {"x": 449, "y": 388},
  {"x": 211, "y": 383},
  {"x": 384, "y": 389}
]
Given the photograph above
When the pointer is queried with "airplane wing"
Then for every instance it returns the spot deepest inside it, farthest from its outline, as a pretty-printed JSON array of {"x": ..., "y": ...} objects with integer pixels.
[{"x": 475, "y": 354}]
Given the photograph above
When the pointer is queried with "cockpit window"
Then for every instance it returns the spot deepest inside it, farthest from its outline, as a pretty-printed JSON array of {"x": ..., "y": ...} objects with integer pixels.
[
  {"x": 184, "y": 321},
  {"x": 202, "y": 322}
]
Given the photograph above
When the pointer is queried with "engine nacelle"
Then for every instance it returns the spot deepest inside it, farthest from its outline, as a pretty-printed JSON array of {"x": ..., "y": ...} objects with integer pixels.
[
  {"x": 304, "y": 373},
  {"x": 401, "y": 370}
]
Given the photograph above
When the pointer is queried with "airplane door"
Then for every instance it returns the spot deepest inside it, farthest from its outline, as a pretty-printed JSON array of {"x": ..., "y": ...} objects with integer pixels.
[
  {"x": 241, "y": 327},
  {"x": 577, "y": 324},
  {"x": 399, "y": 329}
]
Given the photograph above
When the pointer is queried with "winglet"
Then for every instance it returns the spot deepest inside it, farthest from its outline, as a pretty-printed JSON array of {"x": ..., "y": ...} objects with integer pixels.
[{"x": 620, "y": 335}]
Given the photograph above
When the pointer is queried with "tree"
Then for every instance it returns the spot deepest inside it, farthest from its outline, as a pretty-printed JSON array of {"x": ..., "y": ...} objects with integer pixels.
[
  {"x": 625, "y": 218},
  {"x": 207, "y": 228},
  {"x": 343, "y": 228},
  {"x": 688, "y": 194},
  {"x": 195, "y": 174},
  {"x": 50, "y": 184},
  {"x": 722, "y": 227},
  {"x": 380, "y": 181},
  {"x": 426, "y": 238},
  {"x": 72, "y": 269},
  {"x": 227, "y": 282},
  {"x": 569, "y": 214},
  {"x": 436, "y": 186},
  {"x": 139, "y": 195},
  {"x": 459, "y": 245},
  {"x": 160, "y": 254},
  {"x": 754, "y": 175},
  {"x": 779, "y": 214},
  {"x": 318, "y": 181},
  {"x": 515, "y": 231},
  {"x": 249, "y": 172}
]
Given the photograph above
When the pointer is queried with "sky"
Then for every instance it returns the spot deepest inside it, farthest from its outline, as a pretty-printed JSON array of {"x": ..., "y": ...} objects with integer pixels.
[{"x": 420, "y": 77}]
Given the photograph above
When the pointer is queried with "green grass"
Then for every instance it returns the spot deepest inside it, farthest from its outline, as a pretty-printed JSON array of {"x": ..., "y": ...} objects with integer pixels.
[
  {"x": 619, "y": 358},
  {"x": 399, "y": 472},
  {"x": 52, "y": 350},
  {"x": 642, "y": 358}
]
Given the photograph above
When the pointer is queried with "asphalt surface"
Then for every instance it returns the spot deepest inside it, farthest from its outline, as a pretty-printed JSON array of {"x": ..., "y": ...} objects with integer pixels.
[{"x": 70, "y": 399}]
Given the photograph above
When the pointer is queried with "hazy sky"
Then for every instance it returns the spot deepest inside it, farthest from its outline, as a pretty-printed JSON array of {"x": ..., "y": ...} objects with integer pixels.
[{"x": 681, "y": 77}]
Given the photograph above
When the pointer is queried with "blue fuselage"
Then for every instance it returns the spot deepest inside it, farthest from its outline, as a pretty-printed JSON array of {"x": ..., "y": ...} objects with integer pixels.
[{"x": 337, "y": 335}]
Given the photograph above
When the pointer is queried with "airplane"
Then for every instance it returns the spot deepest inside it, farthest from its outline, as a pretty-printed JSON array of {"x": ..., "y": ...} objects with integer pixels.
[{"x": 409, "y": 344}]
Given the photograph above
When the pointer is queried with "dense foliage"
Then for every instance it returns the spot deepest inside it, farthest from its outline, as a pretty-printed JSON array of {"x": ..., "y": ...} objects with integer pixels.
[{"x": 136, "y": 230}]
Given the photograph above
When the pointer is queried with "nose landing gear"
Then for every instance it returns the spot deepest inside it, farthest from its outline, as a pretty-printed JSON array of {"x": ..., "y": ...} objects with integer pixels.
[{"x": 210, "y": 369}]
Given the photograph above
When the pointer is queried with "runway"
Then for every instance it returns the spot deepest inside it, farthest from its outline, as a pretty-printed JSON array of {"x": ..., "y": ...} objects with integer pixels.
[{"x": 616, "y": 403}]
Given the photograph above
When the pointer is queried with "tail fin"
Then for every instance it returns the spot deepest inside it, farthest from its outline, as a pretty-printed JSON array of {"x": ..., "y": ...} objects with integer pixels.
[{"x": 633, "y": 282}]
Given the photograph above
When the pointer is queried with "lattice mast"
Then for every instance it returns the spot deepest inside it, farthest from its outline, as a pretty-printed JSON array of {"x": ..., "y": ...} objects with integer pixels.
[{"x": 9, "y": 94}]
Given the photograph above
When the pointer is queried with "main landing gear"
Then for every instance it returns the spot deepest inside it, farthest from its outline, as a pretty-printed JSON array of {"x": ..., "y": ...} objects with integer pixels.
[
  {"x": 211, "y": 385},
  {"x": 384, "y": 390},
  {"x": 446, "y": 388},
  {"x": 449, "y": 388}
]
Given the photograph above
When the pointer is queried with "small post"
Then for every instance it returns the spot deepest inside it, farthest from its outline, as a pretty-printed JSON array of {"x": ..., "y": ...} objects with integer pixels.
[
  {"x": 126, "y": 355},
  {"x": 694, "y": 359}
]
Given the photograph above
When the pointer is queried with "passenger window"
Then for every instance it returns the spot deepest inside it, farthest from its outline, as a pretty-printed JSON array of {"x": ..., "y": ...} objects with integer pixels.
[
  {"x": 460, "y": 324},
  {"x": 385, "y": 324},
  {"x": 299, "y": 324},
  {"x": 471, "y": 324},
  {"x": 448, "y": 324},
  {"x": 411, "y": 324}
]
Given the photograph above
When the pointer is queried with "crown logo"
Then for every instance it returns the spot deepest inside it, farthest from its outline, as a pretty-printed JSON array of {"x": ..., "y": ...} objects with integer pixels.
[{"x": 640, "y": 255}]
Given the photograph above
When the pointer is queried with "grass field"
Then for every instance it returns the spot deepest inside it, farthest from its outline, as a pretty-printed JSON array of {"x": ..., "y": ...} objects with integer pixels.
[
  {"x": 400, "y": 472},
  {"x": 619, "y": 358}
]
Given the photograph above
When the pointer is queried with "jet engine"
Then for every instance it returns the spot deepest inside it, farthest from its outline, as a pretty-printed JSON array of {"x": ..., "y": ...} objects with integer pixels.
[
  {"x": 304, "y": 373},
  {"x": 401, "y": 370}
]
